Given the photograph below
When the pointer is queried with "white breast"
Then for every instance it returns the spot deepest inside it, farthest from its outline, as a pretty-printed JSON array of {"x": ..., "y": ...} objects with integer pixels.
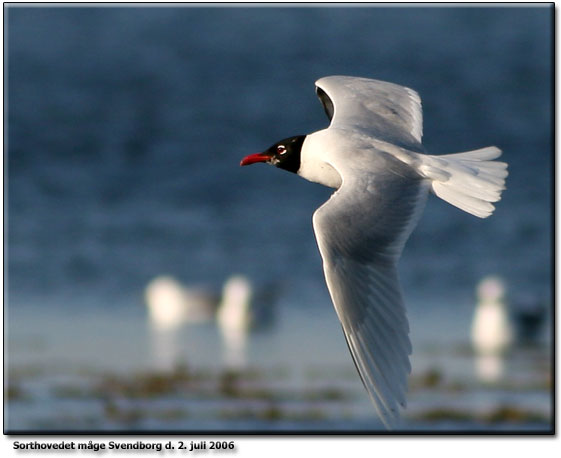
[{"x": 313, "y": 160}]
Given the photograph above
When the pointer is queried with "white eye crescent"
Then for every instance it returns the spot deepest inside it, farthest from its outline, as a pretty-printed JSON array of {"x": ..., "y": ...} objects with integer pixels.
[{"x": 281, "y": 149}]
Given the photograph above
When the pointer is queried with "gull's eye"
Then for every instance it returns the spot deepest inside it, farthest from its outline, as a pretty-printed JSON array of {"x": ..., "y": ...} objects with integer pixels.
[{"x": 281, "y": 149}]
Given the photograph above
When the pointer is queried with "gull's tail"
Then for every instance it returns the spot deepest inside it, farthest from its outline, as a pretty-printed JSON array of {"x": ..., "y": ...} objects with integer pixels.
[{"x": 469, "y": 181}]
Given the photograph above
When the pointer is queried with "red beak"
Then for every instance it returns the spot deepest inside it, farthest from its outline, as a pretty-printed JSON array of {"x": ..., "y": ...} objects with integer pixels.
[{"x": 253, "y": 158}]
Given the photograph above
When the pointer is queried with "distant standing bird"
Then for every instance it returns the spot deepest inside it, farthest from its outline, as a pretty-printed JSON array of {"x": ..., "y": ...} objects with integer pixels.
[
  {"x": 241, "y": 311},
  {"x": 372, "y": 154},
  {"x": 491, "y": 331},
  {"x": 171, "y": 305},
  {"x": 235, "y": 306}
]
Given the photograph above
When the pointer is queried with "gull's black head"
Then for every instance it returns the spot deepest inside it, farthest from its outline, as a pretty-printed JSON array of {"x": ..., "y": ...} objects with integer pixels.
[{"x": 284, "y": 154}]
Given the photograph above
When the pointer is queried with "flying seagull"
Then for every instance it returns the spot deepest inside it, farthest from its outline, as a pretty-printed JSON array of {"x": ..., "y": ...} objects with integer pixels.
[{"x": 371, "y": 153}]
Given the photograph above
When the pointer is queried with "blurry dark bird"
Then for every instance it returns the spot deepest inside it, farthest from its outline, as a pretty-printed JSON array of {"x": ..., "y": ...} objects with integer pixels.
[{"x": 529, "y": 315}]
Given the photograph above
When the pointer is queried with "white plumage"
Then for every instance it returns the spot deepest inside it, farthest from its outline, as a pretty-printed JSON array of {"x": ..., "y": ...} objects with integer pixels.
[
  {"x": 171, "y": 305},
  {"x": 374, "y": 144},
  {"x": 469, "y": 181},
  {"x": 372, "y": 154},
  {"x": 235, "y": 307},
  {"x": 491, "y": 330}
]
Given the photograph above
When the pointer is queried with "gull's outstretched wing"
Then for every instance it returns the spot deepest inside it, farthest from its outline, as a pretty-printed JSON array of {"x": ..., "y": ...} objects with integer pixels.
[
  {"x": 360, "y": 232},
  {"x": 387, "y": 111}
]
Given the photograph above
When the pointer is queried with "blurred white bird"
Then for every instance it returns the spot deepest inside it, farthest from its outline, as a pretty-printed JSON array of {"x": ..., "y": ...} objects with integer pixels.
[
  {"x": 234, "y": 308},
  {"x": 238, "y": 310},
  {"x": 491, "y": 330},
  {"x": 234, "y": 320},
  {"x": 171, "y": 305},
  {"x": 242, "y": 310}
]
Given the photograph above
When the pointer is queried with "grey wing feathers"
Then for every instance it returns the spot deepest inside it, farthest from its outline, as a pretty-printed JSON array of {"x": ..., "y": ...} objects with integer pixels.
[
  {"x": 376, "y": 330},
  {"x": 363, "y": 227},
  {"x": 387, "y": 111},
  {"x": 360, "y": 235}
]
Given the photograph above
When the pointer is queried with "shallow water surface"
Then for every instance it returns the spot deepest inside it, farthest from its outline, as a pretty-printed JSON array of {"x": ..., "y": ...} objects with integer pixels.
[{"x": 114, "y": 371}]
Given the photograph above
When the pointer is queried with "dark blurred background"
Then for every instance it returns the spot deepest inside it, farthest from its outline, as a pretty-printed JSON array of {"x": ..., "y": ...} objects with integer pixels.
[{"x": 125, "y": 128}]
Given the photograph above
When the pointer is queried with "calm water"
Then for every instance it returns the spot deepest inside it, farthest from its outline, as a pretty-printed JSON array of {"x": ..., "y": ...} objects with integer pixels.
[{"x": 125, "y": 127}]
